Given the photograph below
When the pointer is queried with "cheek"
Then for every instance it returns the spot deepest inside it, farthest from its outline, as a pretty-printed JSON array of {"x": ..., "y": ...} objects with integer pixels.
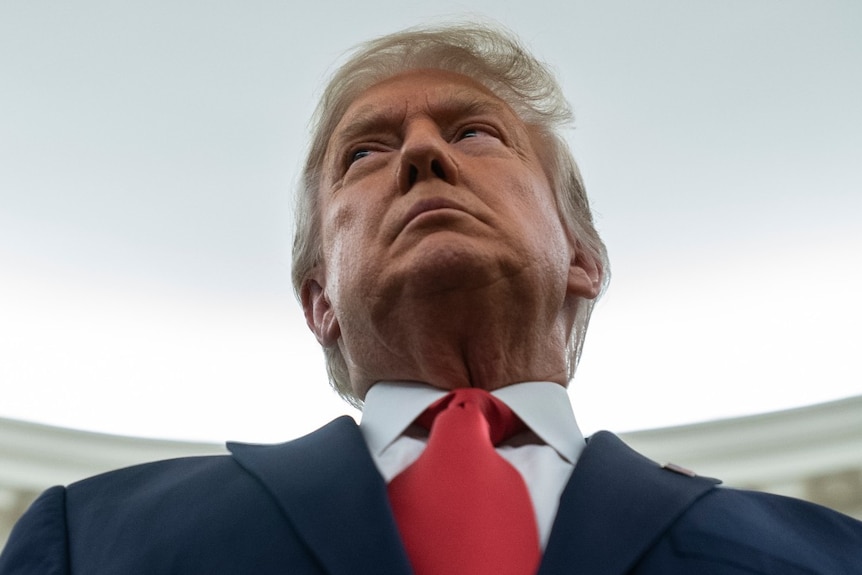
[
  {"x": 545, "y": 224},
  {"x": 348, "y": 243},
  {"x": 536, "y": 200}
]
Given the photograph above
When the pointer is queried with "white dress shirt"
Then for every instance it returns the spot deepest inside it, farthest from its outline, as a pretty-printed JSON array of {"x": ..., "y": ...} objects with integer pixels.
[{"x": 545, "y": 455}]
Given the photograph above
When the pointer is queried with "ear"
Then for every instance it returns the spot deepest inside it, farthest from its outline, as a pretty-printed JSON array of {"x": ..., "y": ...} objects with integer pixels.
[
  {"x": 319, "y": 314},
  {"x": 585, "y": 274}
]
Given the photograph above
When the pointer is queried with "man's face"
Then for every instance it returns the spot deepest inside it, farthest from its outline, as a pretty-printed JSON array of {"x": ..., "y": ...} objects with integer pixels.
[{"x": 431, "y": 185}]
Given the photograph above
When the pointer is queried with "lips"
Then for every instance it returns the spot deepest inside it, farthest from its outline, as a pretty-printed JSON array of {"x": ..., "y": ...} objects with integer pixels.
[{"x": 429, "y": 205}]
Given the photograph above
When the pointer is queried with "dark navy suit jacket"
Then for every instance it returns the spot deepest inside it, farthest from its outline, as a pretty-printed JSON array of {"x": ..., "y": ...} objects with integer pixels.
[{"x": 318, "y": 505}]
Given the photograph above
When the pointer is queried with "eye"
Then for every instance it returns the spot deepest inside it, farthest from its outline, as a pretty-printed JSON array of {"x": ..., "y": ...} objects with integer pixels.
[
  {"x": 357, "y": 155},
  {"x": 476, "y": 132}
]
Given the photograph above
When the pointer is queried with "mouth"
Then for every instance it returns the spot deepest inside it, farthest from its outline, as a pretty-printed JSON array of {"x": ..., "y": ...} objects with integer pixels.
[{"x": 429, "y": 205}]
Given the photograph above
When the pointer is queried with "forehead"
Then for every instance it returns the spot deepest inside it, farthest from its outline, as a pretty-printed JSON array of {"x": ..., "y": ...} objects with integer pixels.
[{"x": 437, "y": 92}]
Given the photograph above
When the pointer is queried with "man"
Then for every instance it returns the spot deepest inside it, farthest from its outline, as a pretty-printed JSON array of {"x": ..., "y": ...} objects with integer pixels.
[{"x": 444, "y": 242}]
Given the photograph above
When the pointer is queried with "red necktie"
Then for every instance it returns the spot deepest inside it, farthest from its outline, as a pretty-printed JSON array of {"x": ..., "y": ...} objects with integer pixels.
[{"x": 461, "y": 508}]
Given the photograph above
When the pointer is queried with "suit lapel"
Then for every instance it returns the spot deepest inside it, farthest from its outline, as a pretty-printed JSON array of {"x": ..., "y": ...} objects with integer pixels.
[
  {"x": 332, "y": 493},
  {"x": 615, "y": 506}
]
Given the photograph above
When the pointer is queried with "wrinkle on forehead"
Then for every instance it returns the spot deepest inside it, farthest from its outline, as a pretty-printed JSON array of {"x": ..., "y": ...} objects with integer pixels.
[
  {"x": 446, "y": 95},
  {"x": 369, "y": 118}
]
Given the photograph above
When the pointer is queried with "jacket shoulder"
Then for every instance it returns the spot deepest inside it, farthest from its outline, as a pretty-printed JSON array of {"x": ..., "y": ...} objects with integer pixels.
[
  {"x": 38, "y": 542},
  {"x": 233, "y": 513},
  {"x": 154, "y": 478},
  {"x": 733, "y": 530},
  {"x": 203, "y": 514}
]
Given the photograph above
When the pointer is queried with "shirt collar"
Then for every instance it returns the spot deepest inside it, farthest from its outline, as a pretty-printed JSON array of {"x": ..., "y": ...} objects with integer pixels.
[{"x": 390, "y": 407}]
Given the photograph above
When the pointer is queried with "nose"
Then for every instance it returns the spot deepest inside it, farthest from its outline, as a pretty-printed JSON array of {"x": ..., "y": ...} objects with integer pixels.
[{"x": 425, "y": 156}]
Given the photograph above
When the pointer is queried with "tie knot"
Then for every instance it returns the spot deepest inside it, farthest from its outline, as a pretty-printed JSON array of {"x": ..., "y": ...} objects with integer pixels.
[{"x": 502, "y": 421}]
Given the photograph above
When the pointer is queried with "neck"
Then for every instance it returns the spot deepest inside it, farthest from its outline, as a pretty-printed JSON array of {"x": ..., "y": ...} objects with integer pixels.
[{"x": 449, "y": 343}]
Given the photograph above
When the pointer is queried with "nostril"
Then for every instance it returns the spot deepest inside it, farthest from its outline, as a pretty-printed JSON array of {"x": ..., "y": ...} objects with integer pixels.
[
  {"x": 413, "y": 174},
  {"x": 438, "y": 170}
]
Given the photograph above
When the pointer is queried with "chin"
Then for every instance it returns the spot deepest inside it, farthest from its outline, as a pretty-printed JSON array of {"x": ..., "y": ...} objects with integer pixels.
[{"x": 455, "y": 264}]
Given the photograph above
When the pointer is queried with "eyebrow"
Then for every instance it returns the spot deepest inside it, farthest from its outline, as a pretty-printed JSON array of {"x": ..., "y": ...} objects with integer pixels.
[{"x": 370, "y": 118}]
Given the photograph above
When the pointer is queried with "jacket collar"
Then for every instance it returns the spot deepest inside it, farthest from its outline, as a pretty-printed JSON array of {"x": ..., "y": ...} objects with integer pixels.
[
  {"x": 615, "y": 506},
  {"x": 329, "y": 489}
]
